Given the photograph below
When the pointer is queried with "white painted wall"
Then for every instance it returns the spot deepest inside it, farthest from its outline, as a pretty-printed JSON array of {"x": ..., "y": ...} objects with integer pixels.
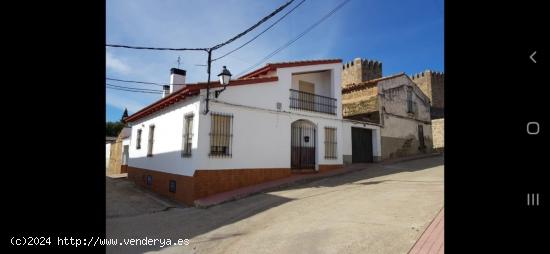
[
  {"x": 262, "y": 138},
  {"x": 168, "y": 139}
]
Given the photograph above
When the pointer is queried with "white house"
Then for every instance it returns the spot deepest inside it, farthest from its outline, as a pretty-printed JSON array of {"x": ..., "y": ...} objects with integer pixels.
[{"x": 277, "y": 120}]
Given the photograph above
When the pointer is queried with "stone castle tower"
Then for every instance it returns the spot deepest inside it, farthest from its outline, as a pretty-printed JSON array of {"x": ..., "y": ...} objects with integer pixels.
[
  {"x": 432, "y": 84},
  {"x": 360, "y": 70}
]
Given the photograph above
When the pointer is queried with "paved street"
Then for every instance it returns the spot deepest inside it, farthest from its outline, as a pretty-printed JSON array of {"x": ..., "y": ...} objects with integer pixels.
[
  {"x": 382, "y": 209},
  {"x": 125, "y": 199}
]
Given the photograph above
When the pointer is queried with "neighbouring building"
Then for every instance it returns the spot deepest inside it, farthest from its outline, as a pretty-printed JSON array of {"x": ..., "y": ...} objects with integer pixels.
[
  {"x": 108, "y": 142},
  {"x": 119, "y": 153},
  {"x": 432, "y": 83},
  {"x": 395, "y": 102},
  {"x": 281, "y": 119}
]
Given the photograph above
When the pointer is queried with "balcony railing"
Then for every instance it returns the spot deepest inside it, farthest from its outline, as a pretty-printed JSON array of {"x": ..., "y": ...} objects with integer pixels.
[{"x": 312, "y": 102}]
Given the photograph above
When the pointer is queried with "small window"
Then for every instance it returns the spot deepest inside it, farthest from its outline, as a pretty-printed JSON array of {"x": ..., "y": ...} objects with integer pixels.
[
  {"x": 409, "y": 101},
  {"x": 330, "y": 143},
  {"x": 187, "y": 136},
  {"x": 151, "y": 140},
  {"x": 221, "y": 134},
  {"x": 172, "y": 186},
  {"x": 149, "y": 180},
  {"x": 138, "y": 141}
]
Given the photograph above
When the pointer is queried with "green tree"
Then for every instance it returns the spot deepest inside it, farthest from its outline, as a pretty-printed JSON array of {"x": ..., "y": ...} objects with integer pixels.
[{"x": 113, "y": 128}]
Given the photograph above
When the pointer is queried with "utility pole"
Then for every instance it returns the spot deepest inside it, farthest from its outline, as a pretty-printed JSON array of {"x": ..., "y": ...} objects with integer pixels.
[{"x": 206, "y": 110}]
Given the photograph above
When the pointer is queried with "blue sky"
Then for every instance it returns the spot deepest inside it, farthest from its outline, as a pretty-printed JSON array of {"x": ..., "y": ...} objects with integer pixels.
[{"x": 406, "y": 35}]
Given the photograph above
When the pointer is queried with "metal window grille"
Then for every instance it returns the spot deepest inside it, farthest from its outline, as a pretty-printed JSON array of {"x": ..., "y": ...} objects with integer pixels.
[
  {"x": 221, "y": 135},
  {"x": 172, "y": 186},
  {"x": 312, "y": 102},
  {"x": 138, "y": 143},
  {"x": 151, "y": 140},
  {"x": 187, "y": 136},
  {"x": 149, "y": 180},
  {"x": 330, "y": 143}
]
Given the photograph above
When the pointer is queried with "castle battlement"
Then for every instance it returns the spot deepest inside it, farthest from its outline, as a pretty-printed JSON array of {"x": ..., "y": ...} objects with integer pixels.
[
  {"x": 360, "y": 70},
  {"x": 432, "y": 74},
  {"x": 432, "y": 83}
]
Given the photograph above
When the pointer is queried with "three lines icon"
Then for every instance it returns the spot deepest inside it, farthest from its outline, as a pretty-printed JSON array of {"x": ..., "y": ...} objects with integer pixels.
[{"x": 532, "y": 199}]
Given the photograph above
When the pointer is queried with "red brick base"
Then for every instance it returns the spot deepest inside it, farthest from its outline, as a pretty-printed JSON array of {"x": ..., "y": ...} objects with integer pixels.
[
  {"x": 325, "y": 168},
  {"x": 204, "y": 182},
  {"x": 123, "y": 169},
  {"x": 161, "y": 181}
]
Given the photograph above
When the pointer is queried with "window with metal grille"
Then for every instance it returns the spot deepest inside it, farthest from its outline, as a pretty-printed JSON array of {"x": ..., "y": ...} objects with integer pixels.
[
  {"x": 221, "y": 134},
  {"x": 172, "y": 186},
  {"x": 330, "y": 143},
  {"x": 151, "y": 139},
  {"x": 187, "y": 136},
  {"x": 138, "y": 142}
]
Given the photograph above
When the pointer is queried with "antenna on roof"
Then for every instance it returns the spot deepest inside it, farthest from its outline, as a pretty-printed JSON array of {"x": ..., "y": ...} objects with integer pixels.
[{"x": 179, "y": 61}]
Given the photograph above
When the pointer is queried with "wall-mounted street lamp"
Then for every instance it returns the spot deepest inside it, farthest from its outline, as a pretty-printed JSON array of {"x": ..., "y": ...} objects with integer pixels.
[{"x": 225, "y": 76}]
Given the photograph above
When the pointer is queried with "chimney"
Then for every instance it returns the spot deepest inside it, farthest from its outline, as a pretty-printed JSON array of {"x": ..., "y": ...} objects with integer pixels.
[
  {"x": 177, "y": 79},
  {"x": 165, "y": 90}
]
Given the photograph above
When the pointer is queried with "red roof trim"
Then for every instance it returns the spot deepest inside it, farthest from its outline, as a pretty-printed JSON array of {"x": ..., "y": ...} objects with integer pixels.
[
  {"x": 273, "y": 66},
  {"x": 188, "y": 91}
]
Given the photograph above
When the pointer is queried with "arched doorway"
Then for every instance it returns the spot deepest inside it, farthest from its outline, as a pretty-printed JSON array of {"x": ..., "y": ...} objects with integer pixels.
[{"x": 303, "y": 145}]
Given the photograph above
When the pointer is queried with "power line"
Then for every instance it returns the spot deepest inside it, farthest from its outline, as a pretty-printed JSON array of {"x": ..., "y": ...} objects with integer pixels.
[
  {"x": 296, "y": 38},
  {"x": 142, "y": 82},
  {"x": 132, "y": 81},
  {"x": 135, "y": 88},
  {"x": 119, "y": 89},
  {"x": 216, "y": 46},
  {"x": 255, "y": 37},
  {"x": 155, "y": 48},
  {"x": 132, "y": 88}
]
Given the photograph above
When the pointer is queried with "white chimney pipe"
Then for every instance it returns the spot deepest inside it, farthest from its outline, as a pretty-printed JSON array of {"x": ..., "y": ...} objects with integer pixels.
[
  {"x": 165, "y": 90},
  {"x": 177, "y": 79}
]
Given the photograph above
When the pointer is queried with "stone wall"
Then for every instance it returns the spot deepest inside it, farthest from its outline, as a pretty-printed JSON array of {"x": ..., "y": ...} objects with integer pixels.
[
  {"x": 433, "y": 85},
  {"x": 438, "y": 133}
]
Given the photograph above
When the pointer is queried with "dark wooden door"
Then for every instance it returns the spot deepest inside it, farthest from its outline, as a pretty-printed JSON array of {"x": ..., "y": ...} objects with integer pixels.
[
  {"x": 303, "y": 147},
  {"x": 361, "y": 145}
]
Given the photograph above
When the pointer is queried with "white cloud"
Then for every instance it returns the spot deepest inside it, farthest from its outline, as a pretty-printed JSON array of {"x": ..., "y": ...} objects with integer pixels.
[{"x": 116, "y": 64}]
